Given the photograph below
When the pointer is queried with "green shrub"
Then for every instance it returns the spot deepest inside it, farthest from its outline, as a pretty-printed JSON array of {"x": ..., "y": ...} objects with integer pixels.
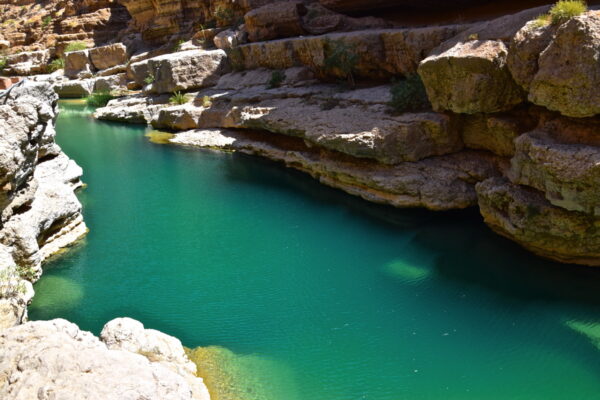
[
  {"x": 342, "y": 57},
  {"x": 75, "y": 46},
  {"x": 277, "y": 78},
  {"x": 542, "y": 20},
  {"x": 3, "y": 63},
  {"x": 149, "y": 79},
  {"x": 409, "y": 95},
  {"x": 567, "y": 9},
  {"x": 178, "y": 98},
  {"x": 57, "y": 64},
  {"x": 99, "y": 99},
  {"x": 178, "y": 45},
  {"x": 47, "y": 20}
]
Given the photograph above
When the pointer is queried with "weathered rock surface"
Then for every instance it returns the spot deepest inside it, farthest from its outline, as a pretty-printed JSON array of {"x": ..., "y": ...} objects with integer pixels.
[
  {"x": 568, "y": 77},
  {"x": 29, "y": 63},
  {"x": 470, "y": 78},
  {"x": 75, "y": 88},
  {"x": 523, "y": 215},
  {"x": 108, "y": 56},
  {"x": 40, "y": 213},
  {"x": 568, "y": 174},
  {"x": 185, "y": 70},
  {"x": 382, "y": 53},
  {"x": 111, "y": 83},
  {"x": 275, "y": 20},
  {"x": 135, "y": 109},
  {"x": 78, "y": 64},
  {"x": 54, "y": 359}
]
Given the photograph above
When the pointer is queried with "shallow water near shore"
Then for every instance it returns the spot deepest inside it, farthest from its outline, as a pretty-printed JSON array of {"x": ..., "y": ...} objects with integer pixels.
[{"x": 310, "y": 293}]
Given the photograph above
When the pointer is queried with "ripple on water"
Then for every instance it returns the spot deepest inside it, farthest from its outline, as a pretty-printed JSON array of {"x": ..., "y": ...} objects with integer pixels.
[{"x": 231, "y": 376}]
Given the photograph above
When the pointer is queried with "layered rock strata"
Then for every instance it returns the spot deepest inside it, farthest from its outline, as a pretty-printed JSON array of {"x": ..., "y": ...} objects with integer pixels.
[{"x": 40, "y": 213}]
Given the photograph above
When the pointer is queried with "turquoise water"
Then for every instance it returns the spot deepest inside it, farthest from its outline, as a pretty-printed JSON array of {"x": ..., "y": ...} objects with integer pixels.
[{"x": 319, "y": 295}]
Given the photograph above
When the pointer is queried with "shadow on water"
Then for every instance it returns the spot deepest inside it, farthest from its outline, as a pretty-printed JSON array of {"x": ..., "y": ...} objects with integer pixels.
[{"x": 467, "y": 249}]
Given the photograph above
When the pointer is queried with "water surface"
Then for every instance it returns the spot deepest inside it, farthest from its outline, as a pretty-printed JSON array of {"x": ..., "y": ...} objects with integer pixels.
[{"x": 311, "y": 293}]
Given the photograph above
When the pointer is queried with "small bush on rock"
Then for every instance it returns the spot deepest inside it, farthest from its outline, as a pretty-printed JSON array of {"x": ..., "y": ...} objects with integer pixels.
[
  {"x": 341, "y": 56},
  {"x": 178, "y": 45},
  {"x": 149, "y": 79},
  {"x": 57, "y": 64},
  {"x": 47, "y": 20},
  {"x": 409, "y": 95},
  {"x": 561, "y": 12},
  {"x": 99, "y": 99},
  {"x": 277, "y": 78},
  {"x": 3, "y": 63},
  {"x": 178, "y": 98},
  {"x": 206, "y": 101},
  {"x": 75, "y": 46}
]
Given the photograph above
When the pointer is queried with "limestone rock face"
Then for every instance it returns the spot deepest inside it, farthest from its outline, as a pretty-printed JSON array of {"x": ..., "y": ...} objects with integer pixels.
[
  {"x": 54, "y": 359},
  {"x": 108, "y": 56},
  {"x": 275, "y": 20},
  {"x": 525, "y": 49},
  {"x": 39, "y": 211},
  {"x": 568, "y": 77},
  {"x": 568, "y": 174},
  {"x": 29, "y": 63},
  {"x": 184, "y": 70},
  {"x": 383, "y": 53},
  {"x": 470, "y": 78},
  {"x": 523, "y": 214},
  {"x": 75, "y": 88},
  {"x": 135, "y": 109},
  {"x": 78, "y": 64},
  {"x": 112, "y": 83}
]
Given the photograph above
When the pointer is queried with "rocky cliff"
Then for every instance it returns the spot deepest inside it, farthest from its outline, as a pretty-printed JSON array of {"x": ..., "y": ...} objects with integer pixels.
[
  {"x": 500, "y": 114},
  {"x": 40, "y": 213}
]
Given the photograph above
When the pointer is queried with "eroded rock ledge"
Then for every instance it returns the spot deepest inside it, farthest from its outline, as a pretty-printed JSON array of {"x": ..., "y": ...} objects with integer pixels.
[{"x": 514, "y": 113}]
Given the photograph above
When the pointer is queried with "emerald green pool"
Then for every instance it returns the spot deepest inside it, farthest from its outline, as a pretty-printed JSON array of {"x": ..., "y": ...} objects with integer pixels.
[{"x": 319, "y": 295}]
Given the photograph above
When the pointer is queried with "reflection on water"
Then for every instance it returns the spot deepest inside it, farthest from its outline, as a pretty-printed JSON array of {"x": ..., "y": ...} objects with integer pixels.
[{"x": 591, "y": 330}]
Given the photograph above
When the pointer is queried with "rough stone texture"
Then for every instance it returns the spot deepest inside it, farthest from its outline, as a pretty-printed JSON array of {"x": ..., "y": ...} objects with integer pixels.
[
  {"x": 382, "y": 53},
  {"x": 135, "y": 109},
  {"x": 275, "y": 20},
  {"x": 28, "y": 63},
  {"x": 108, "y": 56},
  {"x": 227, "y": 39},
  {"x": 437, "y": 183},
  {"x": 569, "y": 72},
  {"x": 74, "y": 89},
  {"x": 332, "y": 121},
  {"x": 78, "y": 64},
  {"x": 112, "y": 83},
  {"x": 55, "y": 360},
  {"x": 525, "y": 49},
  {"x": 184, "y": 70},
  {"x": 523, "y": 215},
  {"x": 40, "y": 213},
  {"x": 496, "y": 132},
  {"x": 457, "y": 79},
  {"x": 568, "y": 174}
]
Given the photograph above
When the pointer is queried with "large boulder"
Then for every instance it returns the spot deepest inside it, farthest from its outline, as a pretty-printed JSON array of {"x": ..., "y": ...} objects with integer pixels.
[
  {"x": 54, "y": 359},
  {"x": 568, "y": 77},
  {"x": 183, "y": 70},
  {"x": 74, "y": 89},
  {"x": 568, "y": 174},
  {"x": 523, "y": 215},
  {"x": 78, "y": 64},
  {"x": 275, "y": 20},
  {"x": 111, "y": 83},
  {"x": 471, "y": 77},
  {"x": 29, "y": 63},
  {"x": 108, "y": 56}
]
